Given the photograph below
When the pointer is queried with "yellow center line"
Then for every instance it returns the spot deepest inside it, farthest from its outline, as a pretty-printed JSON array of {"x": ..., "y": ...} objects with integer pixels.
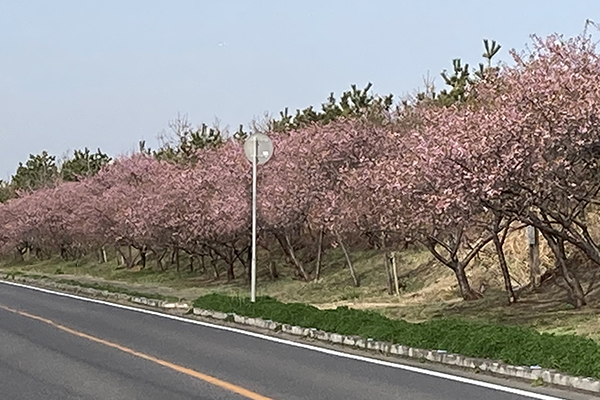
[{"x": 187, "y": 371}]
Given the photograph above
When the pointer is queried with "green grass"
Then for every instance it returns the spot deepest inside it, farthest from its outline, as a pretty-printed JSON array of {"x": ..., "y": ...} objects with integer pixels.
[{"x": 514, "y": 345}]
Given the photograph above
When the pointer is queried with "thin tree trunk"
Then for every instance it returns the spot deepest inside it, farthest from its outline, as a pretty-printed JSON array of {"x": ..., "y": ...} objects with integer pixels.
[
  {"x": 297, "y": 263},
  {"x": 120, "y": 258},
  {"x": 159, "y": 258},
  {"x": 395, "y": 273},
  {"x": 355, "y": 278},
  {"x": 273, "y": 270},
  {"x": 387, "y": 264},
  {"x": 319, "y": 251},
  {"x": 574, "y": 286},
  {"x": 18, "y": 255},
  {"x": 463, "y": 283},
  {"x": 177, "y": 264},
  {"x": 504, "y": 267},
  {"x": 143, "y": 257},
  {"x": 202, "y": 264},
  {"x": 458, "y": 267},
  {"x": 230, "y": 271}
]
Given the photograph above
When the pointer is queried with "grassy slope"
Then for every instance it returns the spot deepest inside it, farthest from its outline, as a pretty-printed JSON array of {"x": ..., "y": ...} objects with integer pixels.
[{"x": 430, "y": 289}]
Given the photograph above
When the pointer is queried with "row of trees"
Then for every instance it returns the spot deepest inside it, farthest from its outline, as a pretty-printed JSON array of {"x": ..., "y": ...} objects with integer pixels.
[
  {"x": 450, "y": 171},
  {"x": 42, "y": 170}
]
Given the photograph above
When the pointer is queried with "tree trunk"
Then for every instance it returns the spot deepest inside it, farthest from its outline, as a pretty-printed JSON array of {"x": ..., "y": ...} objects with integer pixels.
[
  {"x": 557, "y": 245},
  {"x": 19, "y": 255},
  {"x": 504, "y": 267},
  {"x": 395, "y": 273},
  {"x": 535, "y": 272},
  {"x": 319, "y": 252},
  {"x": 273, "y": 270},
  {"x": 230, "y": 273},
  {"x": 120, "y": 258},
  {"x": 355, "y": 278},
  {"x": 463, "y": 283},
  {"x": 202, "y": 264},
  {"x": 143, "y": 257},
  {"x": 128, "y": 260},
  {"x": 159, "y": 258},
  {"x": 177, "y": 264},
  {"x": 387, "y": 264},
  {"x": 290, "y": 250}
]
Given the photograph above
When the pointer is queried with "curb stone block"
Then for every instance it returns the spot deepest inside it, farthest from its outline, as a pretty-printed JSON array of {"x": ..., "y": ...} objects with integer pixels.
[
  {"x": 590, "y": 384},
  {"x": 469, "y": 362},
  {"x": 261, "y": 323},
  {"x": 335, "y": 338},
  {"x": 560, "y": 379},
  {"x": 573, "y": 381},
  {"x": 547, "y": 376},
  {"x": 274, "y": 326},
  {"x": 513, "y": 370},
  {"x": 322, "y": 335},
  {"x": 348, "y": 341},
  {"x": 239, "y": 319},
  {"x": 219, "y": 315},
  {"x": 535, "y": 374},
  {"x": 373, "y": 345},
  {"x": 385, "y": 347},
  {"x": 520, "y": 371},
  {"x": 296, "y": 330},
  {"x": 450, "y": 359},
  {"x": 430, "y": 356}
]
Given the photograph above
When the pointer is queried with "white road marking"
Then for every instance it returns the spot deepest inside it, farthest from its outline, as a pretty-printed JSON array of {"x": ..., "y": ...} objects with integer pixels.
[{"x": 442, "y": 375}]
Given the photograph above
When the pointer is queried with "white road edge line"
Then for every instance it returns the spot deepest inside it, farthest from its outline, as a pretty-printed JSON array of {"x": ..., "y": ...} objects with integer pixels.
[{"x": 336, "y": 353}]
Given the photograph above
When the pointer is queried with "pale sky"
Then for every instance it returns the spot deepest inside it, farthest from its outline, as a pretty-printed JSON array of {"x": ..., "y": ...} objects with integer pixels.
[{"x": 108, "y": 73}]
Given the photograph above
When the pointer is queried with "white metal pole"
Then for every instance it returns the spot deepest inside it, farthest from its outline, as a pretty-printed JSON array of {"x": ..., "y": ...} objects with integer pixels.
[{"x": 253, "y": 266}]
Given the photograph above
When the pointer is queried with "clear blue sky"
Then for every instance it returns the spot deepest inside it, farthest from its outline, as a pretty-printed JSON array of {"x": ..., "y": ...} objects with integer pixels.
[{"x": 108, "y": 73}]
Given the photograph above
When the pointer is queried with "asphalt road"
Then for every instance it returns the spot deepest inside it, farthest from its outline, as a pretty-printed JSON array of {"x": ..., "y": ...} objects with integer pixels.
[{"x": 54, "y": 347}]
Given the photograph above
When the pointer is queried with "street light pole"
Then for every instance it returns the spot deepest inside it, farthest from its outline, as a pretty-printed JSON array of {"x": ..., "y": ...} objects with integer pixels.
[
  {"x": 253, "y": 265},
  {"x": 258, "y": 149}
]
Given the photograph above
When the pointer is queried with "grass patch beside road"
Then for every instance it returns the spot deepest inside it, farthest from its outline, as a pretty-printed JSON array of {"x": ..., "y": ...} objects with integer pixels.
[{"x": 514, "y": 345}]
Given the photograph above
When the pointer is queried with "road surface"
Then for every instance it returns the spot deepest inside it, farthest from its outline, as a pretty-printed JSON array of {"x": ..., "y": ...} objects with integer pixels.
[{"x": 57, "y": 347}]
